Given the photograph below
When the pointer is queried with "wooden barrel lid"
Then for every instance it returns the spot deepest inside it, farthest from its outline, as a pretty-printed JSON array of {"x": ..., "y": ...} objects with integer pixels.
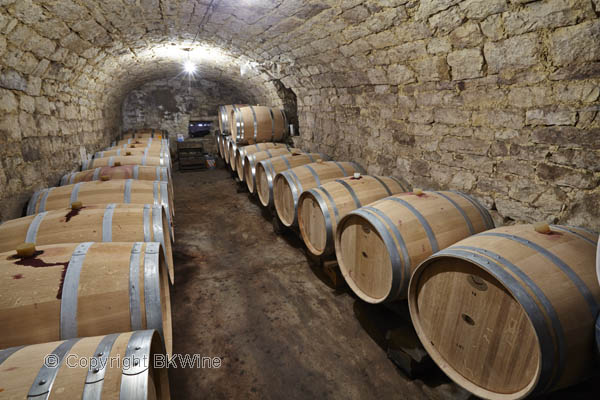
[
  {"x": 474, "y": 329},
  {"x": 312, "y": 224},
  {"x": 368, "y": 269}
]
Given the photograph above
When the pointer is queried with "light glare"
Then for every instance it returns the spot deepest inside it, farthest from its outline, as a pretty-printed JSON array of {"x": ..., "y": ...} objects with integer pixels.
[{"x": 189, "y": 67}]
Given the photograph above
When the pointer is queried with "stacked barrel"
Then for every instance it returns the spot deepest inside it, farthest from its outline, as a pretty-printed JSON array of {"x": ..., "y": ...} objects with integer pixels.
[
  {"x": 505, "y": 312},
  {"x": 86, "y": 279},
  {"x": 242, "y": 125}
]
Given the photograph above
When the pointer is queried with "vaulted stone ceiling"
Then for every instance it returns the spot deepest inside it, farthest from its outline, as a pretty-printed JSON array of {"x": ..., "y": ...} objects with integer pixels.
[{"x": 497, "y": 98}]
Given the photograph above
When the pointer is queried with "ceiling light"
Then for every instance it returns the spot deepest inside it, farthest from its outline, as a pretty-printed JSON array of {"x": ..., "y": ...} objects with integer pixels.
[{"x": 189, "y": 67}]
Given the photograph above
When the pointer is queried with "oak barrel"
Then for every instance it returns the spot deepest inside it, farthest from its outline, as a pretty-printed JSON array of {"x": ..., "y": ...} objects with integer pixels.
[
  {"x": 510, "y": 312},
  {"x": 218, "y": 141},
  {"x": 71, "y": 290},
  {"x": 145, "y": 133},
  {"x": 266, "y": 171},
  {"x": 231, "y": 154},
  {"x": 380, "y": 244},
  {"x": 243, "y": 151},
  {"x": 247, "y": 168},
  {"x": 87, "y": 368},
  {"x": 138, "y": 172},
  {"x": 136, "y": 151},
  {"x": 289, "y": 185},
  {"x": 226, "y": 140},
  {"x": 126, "y": 191},
  {"x": 255, "y": 124},
  {"x": 92, "y": 223},
  {"x": 224, "y": 111},
  {"x": 125, "y": 160},
  {"x": 144, "y": 142},
  {"x": 320, "y": 209}
]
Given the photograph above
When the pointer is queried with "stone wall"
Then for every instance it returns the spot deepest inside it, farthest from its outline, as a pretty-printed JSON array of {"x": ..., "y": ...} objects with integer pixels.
[
  {"x": 51, "y": 110},
  {"x": 498, "y": 98},
  {"x": 494, "y": 98}
]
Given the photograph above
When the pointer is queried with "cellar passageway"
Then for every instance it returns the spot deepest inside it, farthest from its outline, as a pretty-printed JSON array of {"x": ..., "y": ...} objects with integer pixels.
[{"x": 249, "y": 296}]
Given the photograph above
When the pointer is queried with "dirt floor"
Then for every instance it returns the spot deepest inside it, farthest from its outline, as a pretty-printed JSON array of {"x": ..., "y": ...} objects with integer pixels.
[{"x": 252, "y": 298}]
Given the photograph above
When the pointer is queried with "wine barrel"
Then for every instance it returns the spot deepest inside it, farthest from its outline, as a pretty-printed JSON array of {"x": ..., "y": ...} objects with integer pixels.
[
  {"x": 246, "y": 168},
  {"x": 87, "y": 368},
  {"x": 123, "y": 172},
  {"x": 145, "y": 133},
  {"x": 137, "y": 151},
  {"x": 226, "y": 140},
  {"x": 243, "y": 151},
  {"x": 320, "y": 209},
  {"x": 510, "y": 312},
  {"x": 126, "y": 191},
  {"x": 378, "y": 245},
  {"x": 218, "y": 144},
  {"x": 143, "y": 142},
  {"x": 231, "y": 153},
  {"x": 224, "y": 111},
  {"x": 125, "y": 160},
  {"x": 289, "y": 185},
  {"x": 92, "y": 223},
  {"x": 598, "y": 262},
  {"x": 70, "y": 290},
  {"x": 255, "y": 124},
  {"x": 266, "y": 171}
]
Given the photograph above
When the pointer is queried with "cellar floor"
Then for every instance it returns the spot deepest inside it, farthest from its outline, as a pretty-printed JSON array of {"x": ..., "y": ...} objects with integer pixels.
[{"x": 253, "y": 299}]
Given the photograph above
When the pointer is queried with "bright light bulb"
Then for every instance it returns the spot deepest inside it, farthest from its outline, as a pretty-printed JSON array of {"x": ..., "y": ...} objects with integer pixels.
[{"x": 189, "y": 67}]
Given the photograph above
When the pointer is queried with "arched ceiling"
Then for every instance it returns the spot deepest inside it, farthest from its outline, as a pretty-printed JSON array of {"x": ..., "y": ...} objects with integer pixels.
[{"x": 121, "y": 44}]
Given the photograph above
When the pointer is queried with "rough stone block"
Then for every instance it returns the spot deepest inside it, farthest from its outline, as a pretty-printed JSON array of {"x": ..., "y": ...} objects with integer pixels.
[
  {"x": 550, "y": 117},
  {"x": 576, "y": 44},
  {"x": 480, "y": 9},
  {"x": 563, "y": 176},
  {"x": 466, "y": 35},
  {"x": 466, "y": 64},
  {"x": 400, "y": 75},
  {"x": 547, "y": 14},
  {"x": 433, "y": 68},
  {"x": 518, "y": 52}
]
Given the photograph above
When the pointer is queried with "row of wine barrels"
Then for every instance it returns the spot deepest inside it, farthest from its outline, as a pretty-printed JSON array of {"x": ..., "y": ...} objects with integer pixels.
[
  {"x": 242, "y": 151},
  {"x": 85, "y": 368},
  {"x": 125, "y": 160},
  {"x": 224, "y": 112},
  {"x": 143, "y": 173},
  {"x": 246, "y": 168},
  {"x": 379, "y": 245},
  {"x": 126, "y": 191},
  {"x": 68, "y": 290},
  {"x": 145, "y": 133},
  {"x": 255, "y": 124},
  {"x": 320, "y": 209},
  {"x": 135, "y": 151},
  {"x": 266, "y": 171},
  {"x": 92, "y": 223},
  {"x": 289, "y": 185},
  {"x": 144, "y": 142},
  {"x": 510, "y": 312}
]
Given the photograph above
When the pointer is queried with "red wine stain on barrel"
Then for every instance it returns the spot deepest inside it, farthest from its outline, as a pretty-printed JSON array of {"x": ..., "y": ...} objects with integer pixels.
[
  {"x": 72, "y": 213},
  {"x": 35, "y": 262},
  {"x": 553, "y": 235},
  {"x": 18, "y": 276}
]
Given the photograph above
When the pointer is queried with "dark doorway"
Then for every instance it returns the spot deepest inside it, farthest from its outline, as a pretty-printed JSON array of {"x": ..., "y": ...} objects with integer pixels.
[{"x": 199, "y": 128}]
